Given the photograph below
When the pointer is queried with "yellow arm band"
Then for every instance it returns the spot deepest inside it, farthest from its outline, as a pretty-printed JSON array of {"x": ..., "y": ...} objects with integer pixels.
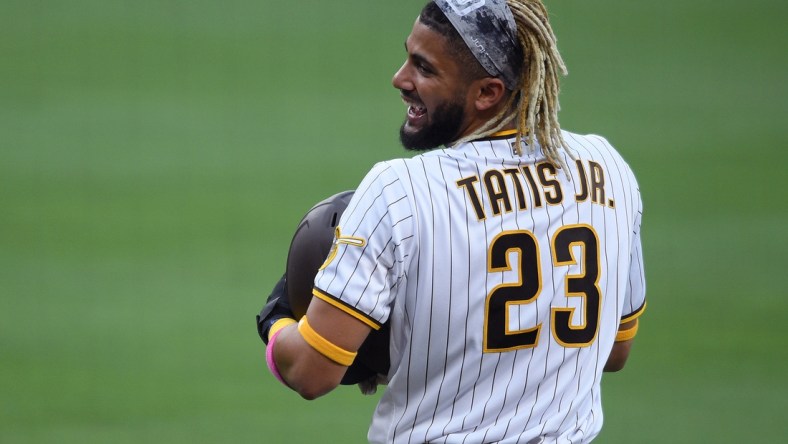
[
  {"x": 323, "y": 346},
  {"x": 626, "y": 335},
  {"x": 278, "y": 325}
]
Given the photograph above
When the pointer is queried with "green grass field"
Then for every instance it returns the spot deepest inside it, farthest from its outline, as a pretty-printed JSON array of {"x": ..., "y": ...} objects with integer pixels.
[{"x": 155, "y": 157}]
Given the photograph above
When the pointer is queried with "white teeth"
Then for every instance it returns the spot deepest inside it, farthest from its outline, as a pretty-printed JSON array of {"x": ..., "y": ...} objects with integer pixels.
[
  {"x": 413, "y": 107},
  {"x": 416, "y": 111}
]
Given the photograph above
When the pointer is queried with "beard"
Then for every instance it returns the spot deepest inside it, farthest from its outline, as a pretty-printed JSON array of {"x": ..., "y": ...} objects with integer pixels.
[{"x": 441, "y": 130}]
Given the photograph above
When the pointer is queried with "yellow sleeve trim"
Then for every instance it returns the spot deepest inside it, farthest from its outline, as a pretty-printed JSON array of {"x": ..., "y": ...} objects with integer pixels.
[
  {"x": 324, "y": 346},
  {"x": 278, "y": 325},
  {"x": 326, "y": 298},
  {"x": 636, "y": 314},
  {"x": 626, "y": 335}
]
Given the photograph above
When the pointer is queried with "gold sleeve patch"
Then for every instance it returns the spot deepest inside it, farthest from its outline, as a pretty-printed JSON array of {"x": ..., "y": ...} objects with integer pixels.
[{"x": 340, "y": 239}]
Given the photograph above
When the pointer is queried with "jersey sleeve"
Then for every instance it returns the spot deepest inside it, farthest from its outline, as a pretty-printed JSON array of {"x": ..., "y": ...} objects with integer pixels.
[
  {"x": 635, "y": 297},
  {"x": 368, "y": 261}
]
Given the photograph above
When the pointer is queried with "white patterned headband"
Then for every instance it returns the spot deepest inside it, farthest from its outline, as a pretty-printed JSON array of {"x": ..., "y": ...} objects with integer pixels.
[{"x": 489, "y": 31}]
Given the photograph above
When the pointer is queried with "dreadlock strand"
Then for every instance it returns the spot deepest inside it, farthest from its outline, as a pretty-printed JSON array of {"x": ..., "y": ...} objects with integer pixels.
[
  {"x": 539, "y": 111},
  {"x": 534, "y": 104},
  {"x": 533, "y": 91}
]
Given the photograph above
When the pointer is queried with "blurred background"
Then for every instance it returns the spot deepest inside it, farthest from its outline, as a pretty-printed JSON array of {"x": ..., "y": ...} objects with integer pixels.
[{"x": 156, "y": 156}]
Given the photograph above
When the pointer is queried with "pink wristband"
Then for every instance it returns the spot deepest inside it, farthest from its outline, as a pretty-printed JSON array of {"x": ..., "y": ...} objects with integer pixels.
[{"x": 269, "y": 358}]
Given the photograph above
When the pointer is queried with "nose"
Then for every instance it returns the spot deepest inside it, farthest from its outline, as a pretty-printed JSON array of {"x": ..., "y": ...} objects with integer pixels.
[{"x": 401, "y": 80}]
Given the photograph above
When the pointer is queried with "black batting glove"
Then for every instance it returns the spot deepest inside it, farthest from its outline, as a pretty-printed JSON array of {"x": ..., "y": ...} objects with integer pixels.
[{"x": 277, "y": 307}]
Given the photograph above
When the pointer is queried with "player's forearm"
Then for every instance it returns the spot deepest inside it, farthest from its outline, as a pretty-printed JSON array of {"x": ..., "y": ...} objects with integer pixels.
[
  {"x": 618, "y": 356},
  {"x": 307, "y": 372}
]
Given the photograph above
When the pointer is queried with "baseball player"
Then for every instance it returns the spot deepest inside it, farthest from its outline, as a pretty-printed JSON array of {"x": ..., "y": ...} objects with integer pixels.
[{"x": 507, "y": 261}]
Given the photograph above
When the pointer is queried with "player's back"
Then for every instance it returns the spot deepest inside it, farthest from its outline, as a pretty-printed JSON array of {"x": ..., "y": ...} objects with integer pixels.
[{"x": 513, "y": 295}]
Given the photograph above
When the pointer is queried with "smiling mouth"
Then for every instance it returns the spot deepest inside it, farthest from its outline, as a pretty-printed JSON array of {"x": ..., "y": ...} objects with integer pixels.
[{"x": 416, "y": 110}]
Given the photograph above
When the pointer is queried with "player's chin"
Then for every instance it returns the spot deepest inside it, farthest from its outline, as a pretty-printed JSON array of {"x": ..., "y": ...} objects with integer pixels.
[
  {"x": 412, "y": 138},
  {"x": 409, "y": 129}
]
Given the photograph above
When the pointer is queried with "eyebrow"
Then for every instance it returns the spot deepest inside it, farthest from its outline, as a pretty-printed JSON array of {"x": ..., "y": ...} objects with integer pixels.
[{"x": 419, "y": 58}]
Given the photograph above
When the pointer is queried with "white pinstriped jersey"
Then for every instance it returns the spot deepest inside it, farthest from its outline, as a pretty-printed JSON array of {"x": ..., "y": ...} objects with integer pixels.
[{"x": 504, "y": 284}]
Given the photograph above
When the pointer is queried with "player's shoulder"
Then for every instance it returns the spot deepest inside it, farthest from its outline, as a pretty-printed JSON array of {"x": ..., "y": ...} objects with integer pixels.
[
  {"x": 385, "y": 175},
  {"x": 401, "y": 174},
  {"x": 384, "y": 168},
  {"x": 399, "y": 166},
  {"x": 593, "y": 147},
  {"x": 590, "y": 143}
]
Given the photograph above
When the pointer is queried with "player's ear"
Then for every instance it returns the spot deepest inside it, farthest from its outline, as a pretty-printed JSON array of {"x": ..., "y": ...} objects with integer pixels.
[{"x": 490, "y": 92}]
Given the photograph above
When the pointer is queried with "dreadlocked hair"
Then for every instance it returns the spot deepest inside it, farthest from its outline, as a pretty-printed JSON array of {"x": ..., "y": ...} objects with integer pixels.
[{"x": 535, "y": 103}]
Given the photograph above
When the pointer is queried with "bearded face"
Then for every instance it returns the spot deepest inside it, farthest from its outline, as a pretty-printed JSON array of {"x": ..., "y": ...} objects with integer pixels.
[
  {"x": 425, "y": 129},
  {"x": 435, "y": 88}
]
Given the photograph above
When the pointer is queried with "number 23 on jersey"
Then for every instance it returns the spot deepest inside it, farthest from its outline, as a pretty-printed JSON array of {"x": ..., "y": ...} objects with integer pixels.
[{"x": 497, "y": 335}]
